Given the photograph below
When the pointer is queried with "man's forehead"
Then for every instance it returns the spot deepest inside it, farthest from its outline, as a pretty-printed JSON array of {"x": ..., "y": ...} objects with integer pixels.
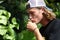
[{"x": 32, "y": 9}]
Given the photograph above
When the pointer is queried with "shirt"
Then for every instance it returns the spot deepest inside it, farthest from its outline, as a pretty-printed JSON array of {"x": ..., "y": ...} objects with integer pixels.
[{"x": 52, "y": 30}]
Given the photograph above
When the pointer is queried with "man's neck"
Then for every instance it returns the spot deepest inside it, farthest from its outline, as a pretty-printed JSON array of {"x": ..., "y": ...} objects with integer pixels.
[{"x": 44, "y": 22}]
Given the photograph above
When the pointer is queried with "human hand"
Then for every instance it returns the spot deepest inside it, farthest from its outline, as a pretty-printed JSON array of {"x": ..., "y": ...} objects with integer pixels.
[{"x": 31, "y": 26}]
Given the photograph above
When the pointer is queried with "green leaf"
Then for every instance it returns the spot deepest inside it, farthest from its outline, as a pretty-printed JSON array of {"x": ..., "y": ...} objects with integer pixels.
[
  {"x": 14, "y": 20},
  {"x": 17, "y": 26},
  {"x": 5, "y": 13},
  {"x": 8, "y": 37},
  {"x": 15, "y": 23},
  {"x": 3, "y": 20},
  {"x": 3, "y": 30},
  {"x": 11, "y": 26}
]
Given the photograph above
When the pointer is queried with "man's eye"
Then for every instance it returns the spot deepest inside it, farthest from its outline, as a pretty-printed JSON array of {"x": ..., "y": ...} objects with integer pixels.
[{"x": 31, "y": 12}]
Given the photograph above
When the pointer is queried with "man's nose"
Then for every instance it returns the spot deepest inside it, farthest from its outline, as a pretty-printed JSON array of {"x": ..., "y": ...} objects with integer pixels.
[{"x": 30, "y": 17}]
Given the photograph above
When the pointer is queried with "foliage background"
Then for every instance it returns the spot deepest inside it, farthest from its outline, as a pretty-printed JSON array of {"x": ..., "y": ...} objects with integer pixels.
[{"x": 16, "y": 19}]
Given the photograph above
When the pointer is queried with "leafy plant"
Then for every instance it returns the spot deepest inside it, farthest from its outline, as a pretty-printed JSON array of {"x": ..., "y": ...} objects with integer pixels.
[{"x": 6, "y": 28}]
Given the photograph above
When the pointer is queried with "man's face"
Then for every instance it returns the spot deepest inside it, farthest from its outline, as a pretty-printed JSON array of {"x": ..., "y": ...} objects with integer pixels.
[{"x": 35, "y": 15}]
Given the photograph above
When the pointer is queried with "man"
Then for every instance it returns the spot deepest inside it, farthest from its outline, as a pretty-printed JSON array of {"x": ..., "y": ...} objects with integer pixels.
[{"x": 38, "y": 13}]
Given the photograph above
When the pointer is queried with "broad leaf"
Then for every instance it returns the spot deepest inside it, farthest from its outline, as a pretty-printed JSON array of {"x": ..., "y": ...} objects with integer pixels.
[
  {"x": 3, "y": 20},
  {"x": 3, "y": 30}
]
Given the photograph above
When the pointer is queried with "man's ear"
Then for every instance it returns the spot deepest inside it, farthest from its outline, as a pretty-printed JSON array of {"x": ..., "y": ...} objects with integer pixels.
[{"x": 41, "y": 10}]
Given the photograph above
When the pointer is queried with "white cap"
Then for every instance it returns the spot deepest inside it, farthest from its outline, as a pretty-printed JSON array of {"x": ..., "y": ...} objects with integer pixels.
[{"x": 36, "y": 3}]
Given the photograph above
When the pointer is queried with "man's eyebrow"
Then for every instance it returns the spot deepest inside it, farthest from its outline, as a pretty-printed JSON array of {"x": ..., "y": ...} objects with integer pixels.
[{"x": 31, "y": 12}]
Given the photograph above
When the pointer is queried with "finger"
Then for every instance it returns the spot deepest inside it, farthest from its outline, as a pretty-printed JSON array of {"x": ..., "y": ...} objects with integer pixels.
[{"x": 29, "y": 20}]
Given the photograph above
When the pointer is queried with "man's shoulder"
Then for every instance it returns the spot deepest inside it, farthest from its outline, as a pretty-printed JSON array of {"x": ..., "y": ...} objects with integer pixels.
[
  {"x": 57, "y": 24},
  {"x": 54, "y": 25}
]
